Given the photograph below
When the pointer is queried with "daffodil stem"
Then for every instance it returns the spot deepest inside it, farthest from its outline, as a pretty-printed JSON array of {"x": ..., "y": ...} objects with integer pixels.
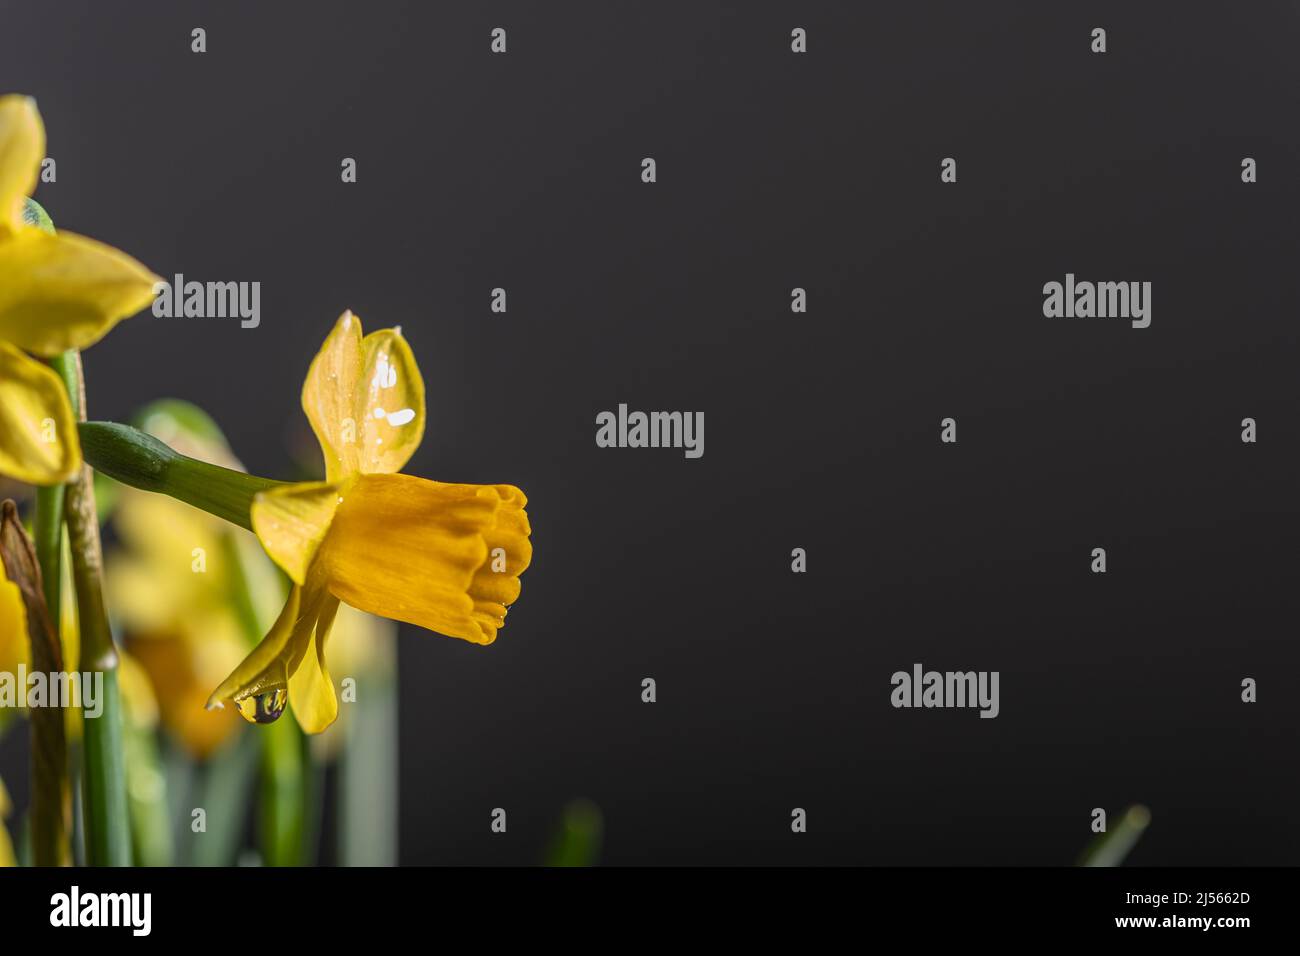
[
  {"x": 47, "y": 528},
  {"x": 142, "y": 461},
  {"x": 108, "y": 828},
  {"x": 48, "y": 525},
  {"x": 47, "y": 811},
  {"x": 282, "y": 824},
  {"x": 367, "y": 773}
]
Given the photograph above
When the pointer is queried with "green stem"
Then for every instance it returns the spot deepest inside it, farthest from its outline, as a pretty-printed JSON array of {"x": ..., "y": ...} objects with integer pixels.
[
  {"x": 151, "y": 826},
  {"x": 367, "y": 778},
  {"x": 47, "y": 527},
  {"x": 108, "y": 828},
  {"x": 142, "y": 461},
  {"x": 224, "y": 787},
  {"x": 282, "y": 824},
  {"x": 48, "y": 524}
]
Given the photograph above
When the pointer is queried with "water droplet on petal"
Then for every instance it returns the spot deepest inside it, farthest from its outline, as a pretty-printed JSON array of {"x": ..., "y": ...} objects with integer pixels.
[{"x": 264, "y": 708}]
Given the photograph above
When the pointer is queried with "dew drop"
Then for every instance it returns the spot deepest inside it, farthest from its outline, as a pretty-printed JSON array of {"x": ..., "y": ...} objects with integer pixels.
[{"x": 264, "y": 708}]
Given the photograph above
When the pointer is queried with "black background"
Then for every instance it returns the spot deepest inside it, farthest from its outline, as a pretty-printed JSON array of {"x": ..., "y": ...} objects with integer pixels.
[{"x": 822, "y": 430}]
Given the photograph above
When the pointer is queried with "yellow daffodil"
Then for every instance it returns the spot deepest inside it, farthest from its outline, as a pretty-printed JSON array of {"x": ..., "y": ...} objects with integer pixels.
[
  {"x": 57, "y": 292},
  {"x": 446, "y": 557}
]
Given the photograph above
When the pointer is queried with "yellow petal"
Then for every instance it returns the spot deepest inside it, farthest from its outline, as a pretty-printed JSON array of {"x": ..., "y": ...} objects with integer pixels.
[
  {"x": 390, "y": 401},
  {"x": 311, "y": 692},
  {"x": 22, "y": 147},
  {"x": 292, "y": 521},
  {"x": 13, "y": 626},
  {"x": 38, "y": 434},
  {"x": 364, "y": 398},
  {"x": 425, "y": 552},
  {"x": 291, "y": 658},
  {"x": 328, "y": 395},
  {"x": 266, "y": 668},
  {"x": 64, "y": 291}
]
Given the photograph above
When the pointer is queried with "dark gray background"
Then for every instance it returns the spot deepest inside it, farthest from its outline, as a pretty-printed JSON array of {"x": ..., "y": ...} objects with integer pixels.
[{"x": 775, "y": 170}]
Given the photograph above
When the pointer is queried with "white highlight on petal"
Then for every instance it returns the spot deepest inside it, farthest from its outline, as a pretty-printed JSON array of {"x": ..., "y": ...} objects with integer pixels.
[
  {"x": 398, "y": 418},
  {"x": 385, "y": 373}
]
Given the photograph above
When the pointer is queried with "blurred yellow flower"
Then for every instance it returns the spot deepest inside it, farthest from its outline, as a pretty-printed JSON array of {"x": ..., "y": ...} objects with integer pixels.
[
  {"x": 446, "y": 557},
  {"x": 57, "y": 292},
  {"x": 171, "y": 583},
  {"x": 13, "y": 626},
  {"x": 7, "y": 857}
]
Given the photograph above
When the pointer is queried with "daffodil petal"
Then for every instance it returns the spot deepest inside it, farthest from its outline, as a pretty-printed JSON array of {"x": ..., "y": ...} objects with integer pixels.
[
  {"x": 328, "y": 396},
  {"x": 364, "y": 398},
  {"x": 411, "y": 550},
  {"x": 22, "y": 147},
  {"x": 63, "y": 291},
  {"x": 311, "y": 692},
  {"x": 390, "y": 403},
  {"x": 267, "y": 667},
  {"x": 38, "y": 433},
  {"x": 292, "y": 521}
]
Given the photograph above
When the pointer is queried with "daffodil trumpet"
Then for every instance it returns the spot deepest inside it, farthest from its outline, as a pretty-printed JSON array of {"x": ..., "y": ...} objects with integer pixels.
[{"x": 445, "y": 557}]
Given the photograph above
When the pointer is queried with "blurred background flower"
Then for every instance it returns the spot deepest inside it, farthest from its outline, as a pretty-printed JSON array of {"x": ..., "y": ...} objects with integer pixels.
[
  {"x": 13, "y": 628},
  {"x": 7, "y": 856}
]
